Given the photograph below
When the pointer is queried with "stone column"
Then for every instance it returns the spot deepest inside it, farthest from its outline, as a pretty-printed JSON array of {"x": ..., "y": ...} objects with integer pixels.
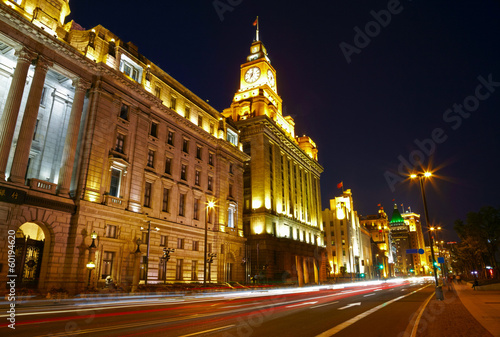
[
  {"x": 136, "y": 277},
  {"x": 300, "y": 275},
  {"x": 316, "y": 273},
  {"x": 22, "y": 153},
  {"x": 306, "y": 270},
  {"x": 12, "y": 104},
  {"x": 68, "y": 157}
]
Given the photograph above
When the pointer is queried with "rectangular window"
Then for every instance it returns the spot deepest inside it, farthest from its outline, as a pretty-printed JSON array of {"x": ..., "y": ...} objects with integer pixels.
[
  {"x": 151, "y": 158},
  {"x": 184, "y": 172},
  {"x": 145, "y": 238},
  {"x": 148, "y": 187},
  {"x": 230, "y": 217},
  {"x": 120, "y": 141},
  {"x": 173, "y": 102},
  {"x": 130, "y": 70},
  {"x": 178, "y": 269},
  {"x": 36, "y": 129},
  {"x": 182, "y": 206},
  {"x": 180, "y": 243},
  {"x": 210, "y": 184},
  {"x": 230, "y": 192},
  {"x": 196, "y": 246},
  {"x": 210, "y": 158},
  {"x": 166, "y": 200},
  {"x": 211, "y": 129},
  {"x": 196, "y": 209},
  {"x": 124, "y": 112},
  {"x": 194, "y": 271},
  {"x": 43, "y": 98},
  {"x": 170, "y": 138},
  {"x": 231, "y": 168},
  {"x": 209, "y": 248},
  {"x": 107, "y": 264},
  {"x": 168, "y": 165},
  {"x": 222, "y": 250},
  {"x": 200, "y": 121},
  {"x": 198, "y": 152},
  {"x": 154, "y": 129},
  {"x": 197, "y": 178},
  {"x": 158, "y": 92},
  {"x": 114, "y": 186},
  {"x": 187, "y": 112},
  {"x": 163, "y": 240},
  {"x": 185, "y": 145},
  {"x": 110, "y": 231}
]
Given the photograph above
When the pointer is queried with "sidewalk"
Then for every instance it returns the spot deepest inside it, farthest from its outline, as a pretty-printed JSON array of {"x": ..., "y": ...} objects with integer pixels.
[{"x": 483, "y": 305}]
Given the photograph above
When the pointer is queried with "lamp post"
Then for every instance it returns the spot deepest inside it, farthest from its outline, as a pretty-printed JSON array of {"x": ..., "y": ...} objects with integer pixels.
[
  {"x": 209, "y": 261},
  {"x": 421, "y": 176},
  {"x": 90, "y": 266},
  {"x": 210, "y": 205},
  {"x": 148, "y": 230},
  {"x": 165, "y": 258}
]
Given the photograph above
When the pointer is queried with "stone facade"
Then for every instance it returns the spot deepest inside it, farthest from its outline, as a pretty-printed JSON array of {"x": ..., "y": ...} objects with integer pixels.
[{"x": 95, "y": 138}]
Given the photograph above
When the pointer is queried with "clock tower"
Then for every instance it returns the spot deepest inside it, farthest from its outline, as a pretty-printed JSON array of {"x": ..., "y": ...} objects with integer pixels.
[{"x": 258, "y": 92}]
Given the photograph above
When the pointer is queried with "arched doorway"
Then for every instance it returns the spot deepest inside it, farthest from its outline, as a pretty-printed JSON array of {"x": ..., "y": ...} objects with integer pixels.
[{"x": 30, "y": 241}]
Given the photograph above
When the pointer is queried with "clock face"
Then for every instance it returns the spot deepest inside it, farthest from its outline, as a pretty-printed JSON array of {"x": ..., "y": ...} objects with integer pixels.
[
  {"x": 270, "y": 77},
  {"x": 252, "y": 75}
]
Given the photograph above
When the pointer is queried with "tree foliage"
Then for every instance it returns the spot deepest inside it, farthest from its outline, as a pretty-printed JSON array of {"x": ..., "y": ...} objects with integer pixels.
[{"x": 480, "y": 240}]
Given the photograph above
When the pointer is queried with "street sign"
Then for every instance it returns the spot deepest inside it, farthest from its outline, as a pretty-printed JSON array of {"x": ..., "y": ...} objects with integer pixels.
[
  {"x": 421, "y": 251},
  {"x": 412, "y": 251},
  {"x": 441, "y": 259}
]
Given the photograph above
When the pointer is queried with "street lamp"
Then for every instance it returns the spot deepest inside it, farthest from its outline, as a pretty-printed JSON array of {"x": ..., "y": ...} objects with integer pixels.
[
  {"x": 421, "y": 176},
  {"x": 165, "y": 258},
  {"x": 148, "y": 230},
  {"x": 93, "y": 236},
  {"x": 210, "y": 205},
  {"x": 209, "y": 261},
  {"x": 90, "y": 266}
]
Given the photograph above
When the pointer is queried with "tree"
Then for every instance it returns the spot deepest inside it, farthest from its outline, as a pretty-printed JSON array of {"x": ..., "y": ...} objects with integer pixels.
[{"x": 480, "y": 239}]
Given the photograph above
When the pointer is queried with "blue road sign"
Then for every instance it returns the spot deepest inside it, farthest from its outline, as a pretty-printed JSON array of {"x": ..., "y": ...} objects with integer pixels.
[
  {"x": 441, "y": 259},
  {"x": 421, "y": 251},
  {"x": 412, "y": 251}
]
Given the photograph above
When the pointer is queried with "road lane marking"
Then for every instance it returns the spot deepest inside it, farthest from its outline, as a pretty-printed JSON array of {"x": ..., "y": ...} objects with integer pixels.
[
  {"x": 350, "y": 305},
  {"x": 353, "y": 320},
  {"x": 215, "y": 329},
  {"x": 417, "y": 320},
  {"x": 368, "y": 295},
  {"x": 298, "y": 305},
  {"x": 322, "y": 305},
  {"x": 378, "y": 289}
]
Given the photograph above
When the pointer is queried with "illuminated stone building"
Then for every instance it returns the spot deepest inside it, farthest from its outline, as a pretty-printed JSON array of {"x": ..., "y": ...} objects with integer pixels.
[
  {"x": 400, "y": 233},
  {"x": 282, "y": 206},
  {"x": 95, "y": 138},
  {"x": 383, "y": 254},
  {"x": 412, "y": 220},
  {"x": 347, "y": 243}
]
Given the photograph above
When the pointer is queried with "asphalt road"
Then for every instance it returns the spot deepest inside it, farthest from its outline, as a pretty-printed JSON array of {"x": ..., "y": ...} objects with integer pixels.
[{"x": 383, "y": 309}]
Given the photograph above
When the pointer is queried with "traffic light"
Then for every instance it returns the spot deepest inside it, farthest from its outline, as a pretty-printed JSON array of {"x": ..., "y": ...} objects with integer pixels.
[
  {"x": 362, "y": 275},
  {"x": 381, "y": 266},
  {"x": 411, "y": 270}
]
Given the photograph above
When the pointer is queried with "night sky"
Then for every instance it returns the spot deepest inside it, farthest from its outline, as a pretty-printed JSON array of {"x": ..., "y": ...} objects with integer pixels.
[{"x": 364, "y": 115}]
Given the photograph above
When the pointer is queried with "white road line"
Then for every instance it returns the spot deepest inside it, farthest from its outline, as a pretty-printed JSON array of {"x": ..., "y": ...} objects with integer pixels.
[
  {"x": 298, "y": 305},
  {"x": 368, "y": 295},
  {"x": 353, "y": 320},
  {"x": 322, "y": 305},
  {"x": 215, "y": 329},
  {"x": 350, "y": 305},
  {"x": 378, "y": 290}
]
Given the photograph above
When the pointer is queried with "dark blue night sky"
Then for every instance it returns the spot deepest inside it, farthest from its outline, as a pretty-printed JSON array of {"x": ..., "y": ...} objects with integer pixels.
[{"x": 364, "y": 115}]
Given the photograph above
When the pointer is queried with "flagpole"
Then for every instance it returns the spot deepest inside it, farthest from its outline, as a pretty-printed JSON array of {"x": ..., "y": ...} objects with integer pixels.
[
  {"x": 342, "y": 187},
  {"x": 257, "y": 34},
  {"x": 402, "y": 208}
]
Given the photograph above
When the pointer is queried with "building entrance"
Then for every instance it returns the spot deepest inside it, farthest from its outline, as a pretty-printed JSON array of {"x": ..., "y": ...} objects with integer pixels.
[{"x": 30, "y": 241}]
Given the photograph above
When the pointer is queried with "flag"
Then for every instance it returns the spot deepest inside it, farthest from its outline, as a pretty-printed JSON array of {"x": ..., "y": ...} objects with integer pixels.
[
  {"x": 256, "y": 21},
  {"x": 379, "y": 205},
  {"x": 339, "y": 185},
  {"x": 401, "y": 205},
  {"x": 393, "y": 199}
]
